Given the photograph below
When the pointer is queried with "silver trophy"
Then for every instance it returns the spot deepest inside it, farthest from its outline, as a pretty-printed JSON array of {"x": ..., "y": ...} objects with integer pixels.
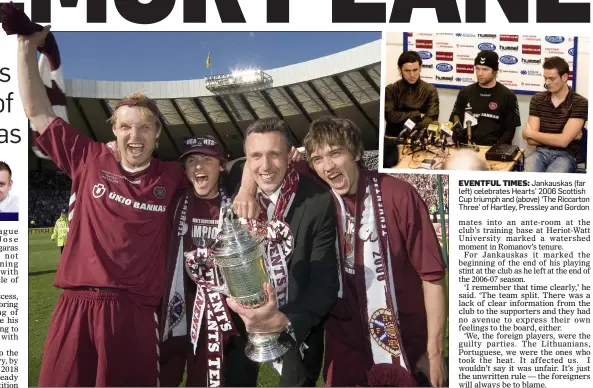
[{"x": 238, "y": 258}]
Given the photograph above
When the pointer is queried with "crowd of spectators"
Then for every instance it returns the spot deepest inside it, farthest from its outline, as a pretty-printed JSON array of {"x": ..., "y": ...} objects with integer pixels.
[
  {"x": 428, "y": 189},
  {"x": 49, "y": 193}
]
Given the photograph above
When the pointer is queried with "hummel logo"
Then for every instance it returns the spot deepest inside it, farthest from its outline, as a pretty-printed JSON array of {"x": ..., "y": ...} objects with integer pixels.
[{"x": 482, "y": 60}]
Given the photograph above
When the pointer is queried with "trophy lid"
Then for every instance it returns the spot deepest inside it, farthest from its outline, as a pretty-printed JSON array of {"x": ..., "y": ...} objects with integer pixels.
[{"x": 234, "y": 238}]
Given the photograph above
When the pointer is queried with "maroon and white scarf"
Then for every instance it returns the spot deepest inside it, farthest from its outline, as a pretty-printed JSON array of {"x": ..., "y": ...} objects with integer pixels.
[
  {"x": 278, "y": 249},
  {"x": 373, "y": 274},
  {"x": 15, "y": 21},
  {"x": 209, "y": 307},
  {"x": 279, "y": 237}
]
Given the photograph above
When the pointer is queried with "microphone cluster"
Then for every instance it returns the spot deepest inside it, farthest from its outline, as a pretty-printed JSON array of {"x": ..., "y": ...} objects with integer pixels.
[{"x": 428, "y": 132}]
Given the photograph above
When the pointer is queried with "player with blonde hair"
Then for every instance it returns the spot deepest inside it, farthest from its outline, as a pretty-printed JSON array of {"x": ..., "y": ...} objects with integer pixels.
[{"x": 104, "y": 329}]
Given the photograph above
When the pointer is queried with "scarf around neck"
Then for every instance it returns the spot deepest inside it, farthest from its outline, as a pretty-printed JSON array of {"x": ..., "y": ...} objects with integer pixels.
[
  {"x": 373, "y": 275},
  {"x": 272, "y": 223},
  {"x": 209, "y": 308}
]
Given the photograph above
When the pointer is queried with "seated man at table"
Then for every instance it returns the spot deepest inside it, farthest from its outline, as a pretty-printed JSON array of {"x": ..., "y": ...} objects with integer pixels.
[
  {"x": 410, "y": 98},
  {"x": 556, "y": 120},
  {"x": 493, "y": 105}
]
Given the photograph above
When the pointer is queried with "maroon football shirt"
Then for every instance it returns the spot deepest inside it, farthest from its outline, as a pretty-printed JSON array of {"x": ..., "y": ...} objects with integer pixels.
[
  {"x": 118, "y": 231},
  {"x": 415, "y": 256}
]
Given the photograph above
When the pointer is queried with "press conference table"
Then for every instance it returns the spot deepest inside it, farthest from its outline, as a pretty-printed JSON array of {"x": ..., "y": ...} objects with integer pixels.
[{"x": 409, "y": 160}]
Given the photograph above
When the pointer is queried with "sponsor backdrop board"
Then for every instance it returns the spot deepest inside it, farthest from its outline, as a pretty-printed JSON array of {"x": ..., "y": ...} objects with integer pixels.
[{"x": 448, "y": 58}]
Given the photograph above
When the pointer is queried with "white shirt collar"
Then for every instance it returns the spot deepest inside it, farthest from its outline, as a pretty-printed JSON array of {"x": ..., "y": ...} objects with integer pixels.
[
  {"x": 134, "y": 170},
  {"x": 274, "y": 196},
  {"x": 10, "y": 204}
]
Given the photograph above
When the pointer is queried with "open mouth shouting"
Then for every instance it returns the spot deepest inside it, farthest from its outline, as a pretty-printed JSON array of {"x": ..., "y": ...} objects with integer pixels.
[
  {"x": 201, "y": 179},
  {"x": 337, "y": 180},
  {"x": 135, "y": 149}
]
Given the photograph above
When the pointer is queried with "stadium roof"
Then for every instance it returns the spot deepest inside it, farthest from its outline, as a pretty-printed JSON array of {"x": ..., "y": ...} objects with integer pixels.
[{"x": 344, "y": 84}]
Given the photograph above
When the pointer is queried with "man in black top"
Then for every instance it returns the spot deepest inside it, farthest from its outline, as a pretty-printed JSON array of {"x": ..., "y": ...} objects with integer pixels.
[
  {"x": 410, "y": 97},
  {"x": 493, "y": 105}
]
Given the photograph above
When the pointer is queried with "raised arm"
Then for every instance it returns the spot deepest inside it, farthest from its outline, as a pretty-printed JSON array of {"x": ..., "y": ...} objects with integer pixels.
[{"x": 31, "y": 88}]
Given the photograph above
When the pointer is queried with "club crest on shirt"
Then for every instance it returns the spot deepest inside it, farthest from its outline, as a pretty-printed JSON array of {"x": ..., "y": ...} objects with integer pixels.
[
  {"x": 159, "y": 192},
  {"x": 493, "y": 106},
  {"x": 98, "y": 190},
  {"x": 383, "y": 331}
]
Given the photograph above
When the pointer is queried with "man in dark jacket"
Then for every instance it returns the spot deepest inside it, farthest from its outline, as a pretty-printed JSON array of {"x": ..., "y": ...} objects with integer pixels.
[{"x": 410, "y": 97}]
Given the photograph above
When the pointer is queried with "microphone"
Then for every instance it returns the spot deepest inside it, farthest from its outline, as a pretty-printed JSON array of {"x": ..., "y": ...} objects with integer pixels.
[
  {"x": 409, "y": 125},
  {"x": 458, "y": 133},
  {"x": 420, "y": 129},
  {"x": 470, "y": 120},
  {"x": 445, "y": 131},
  {"x": 433, "y": 131}
]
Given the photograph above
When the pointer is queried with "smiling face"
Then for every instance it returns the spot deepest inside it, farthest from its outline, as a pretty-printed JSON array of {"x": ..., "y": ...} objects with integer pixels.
[
  {"x": 136, "y": 130},
  {"x": 203, "y": 172},
  {"x": 337, "y": 167},
  {"x": 268, "y": 157}
]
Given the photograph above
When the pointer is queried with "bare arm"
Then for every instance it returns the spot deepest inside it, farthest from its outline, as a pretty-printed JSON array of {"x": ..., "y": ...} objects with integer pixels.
[
  {"x": 245, "y": 204},
  {"x": 570, "y": 132},
  {"x": 436, "y": 315},
  {"x": 533, "y": 125},
  {"x": 31, "y": 88}
]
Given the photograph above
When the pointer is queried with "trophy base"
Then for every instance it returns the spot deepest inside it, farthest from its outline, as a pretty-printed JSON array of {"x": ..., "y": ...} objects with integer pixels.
[{"x": 266, "y": 347}]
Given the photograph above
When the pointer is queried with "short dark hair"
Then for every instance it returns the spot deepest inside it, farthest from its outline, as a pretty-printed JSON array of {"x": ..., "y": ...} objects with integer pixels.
[
  {"x": 409, "y": 57},
  {"x": 269, "y": 125},
  {"x": 557, "y": 63},
  {"x": 6, "y": 167}
]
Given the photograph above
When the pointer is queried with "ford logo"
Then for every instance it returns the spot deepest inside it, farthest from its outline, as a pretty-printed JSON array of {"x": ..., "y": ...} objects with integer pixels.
[
  {"x": 444, "y": 67},
  {"x": 508, "y": 60},
  {"x": 554, "y": 39},
  {"x": 425, "y": 55},
  {"x": 571, "y": 52},
  {"x": 487, "y": 46}
]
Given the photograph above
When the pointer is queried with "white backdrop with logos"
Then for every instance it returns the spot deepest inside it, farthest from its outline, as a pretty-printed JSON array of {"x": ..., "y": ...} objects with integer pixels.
[
  {"x": 448, "y": 58},
  {"x": 394, "y": 48}
]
